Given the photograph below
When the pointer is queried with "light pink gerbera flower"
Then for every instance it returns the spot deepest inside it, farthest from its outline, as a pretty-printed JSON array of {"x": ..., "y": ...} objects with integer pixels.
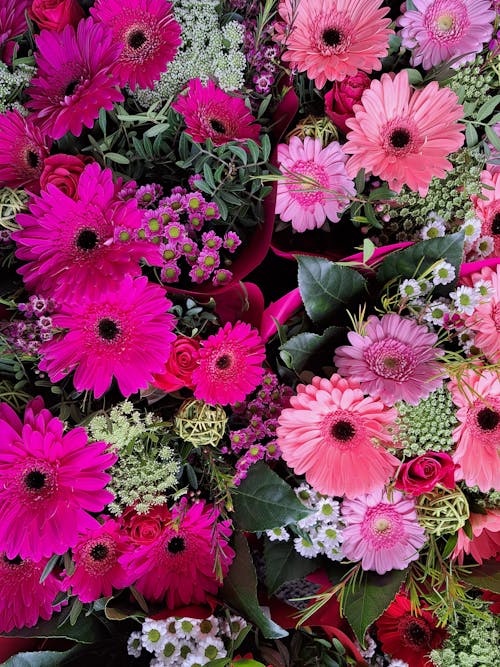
[
  {"x": 69, "y": 243},
  {"x": 229, "y": 364},
  {"x": 332, "y": 39},
  {"x": 76, "y": 78},
  {"x": 394, "y": 360},
  {"x": 178, "y": 566},
  {"x": 439, "y": 30},
  {"x": 23, "y": 149},
  {"x": 316, "y": 185},
  {"x": 23, "y": 599},
  {"x": 12, "y": 24},
  {"x": 210, "y": 113},
  {"x": 485, "y": 322},
  {"x": 485, "y": 542},
  {"x": 335, "y": 435},
  {"x": 49, "y": 482},
  {"x": 487, "y": 208},
  {"x": 125, "y": 332},
  {"x": 148, "y": 36},
  {"x": 478, "y": 434},
  {"x": 404, "y": 135},
  {"x": 97, "y": 568},
  {"x": 383, "y": 535}
]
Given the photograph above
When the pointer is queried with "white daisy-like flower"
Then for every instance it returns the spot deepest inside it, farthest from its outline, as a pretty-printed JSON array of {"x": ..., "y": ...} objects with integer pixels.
[
  {"x": 327, "y": 509},
  {"x": 443, "y": 273},
  {"x": 154, "y": 635},
  {"x": 410, "y": 289},
  {"x": 232, "y": 629},
  {"x": 472, "y": 231},
  {"x": 307, "y": 495},
  {"x": 134, "y": 645},
  {"x": 465, "y": 299},
  {"x": 371, "y": 646},
  {"x": 485, "y": 246},
  {"x": 306, "y": 547},
  {"x": 425, "y": 286},
  {"x": 436, "y": 312},
  {"x": 212, "y": 648},
  {"x": 484, "y": 289},
  {"x": 398, "y": 663},
  {"x": 278, "y": 535},
  {"x": 209, "y": 627},
  {"x": 434, "y": 229},
  {"x": 186, "y": 628}
]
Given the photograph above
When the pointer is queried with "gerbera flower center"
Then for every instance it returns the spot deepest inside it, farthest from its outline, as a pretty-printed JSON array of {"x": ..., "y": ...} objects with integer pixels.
[
  {"x": 35, "y": 479},
  {"x": 340, "y": 430},
  {"x": 333, "y": 33},
  {"x": 71, "y": 87},
  {"x": 391, "y": 358},
  {"x": 400, "y": 138},
  {"x": 488, "y": 419},
  {"x": 217, "y": 126},
  {"x": 343, "y": 430},
  {"x": 87, "y": 239},
  {"x": 415, "y": 632},
  {"x": 332, "y": 37},
  {"x": 108, "y": 329},
  {"x": 382, "y": 527},
  {"x": 37, "y": 482},
  {"x": 32, "y": 159},
  {"x": 446, "y": 20},
  {"x": 176, "y": 545},
  {"x": 17, "y": 560},
  {"x": 99, "y": 552},
  {"x": 306, "y": 182},
  {"x": 136, "y": 39},
  {"x": 495, "y": 224}
]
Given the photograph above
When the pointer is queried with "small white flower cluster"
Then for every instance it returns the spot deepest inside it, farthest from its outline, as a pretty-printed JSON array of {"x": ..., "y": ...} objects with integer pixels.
[
  {"x": 123, "y": 426},
  {"x": 476, "y": 246},
  {"x": 207, "y": 52},
  {"x": 185, "y": 642},
  {"x": 434, "y": 229},
  {"x": 320, "y": 533},
  {"x": 11, "y": 83}
]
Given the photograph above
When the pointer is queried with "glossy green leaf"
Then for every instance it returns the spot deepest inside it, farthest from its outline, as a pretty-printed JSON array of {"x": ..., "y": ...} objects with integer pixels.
[
  {"x": 40, "y": 658},
  {"x": 486, "y": 576},
  {"x": 284, "y": 564},
  {"x": 87, "y": 630},
  {"x": 305, "y": 345},
  {"x": 116, "y": 157}
]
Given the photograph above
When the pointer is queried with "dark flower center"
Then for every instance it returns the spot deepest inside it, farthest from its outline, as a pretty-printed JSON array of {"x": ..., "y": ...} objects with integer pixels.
[
  {"x": 488, "y": 419},
  {"x": 136, "y": 39},
  {"x": 35, "y": 480},
  {"x": 70, "y": 88},
  {"x": 495, "y": 224},
  {"x": 417, "y": 633},
  {"x": 176, "y": 545},
  {"x": 108, "y": 329},
  {"x": 33, "y": 159},
  {"x": 87, "y": 239},
  {"x": 217, "y": 126},
  {"x": 343, "y": 430},
  {"x": 400, "y": 138},
  {"x": 223, "y": 362},
  {"x": 13, "y": 561},
  {"x": 99, "y": 552},
  {"x": 332, "y": 37}
]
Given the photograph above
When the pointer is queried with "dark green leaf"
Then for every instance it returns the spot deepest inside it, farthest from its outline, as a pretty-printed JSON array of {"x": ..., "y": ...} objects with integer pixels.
[
  {"x": 493, "y": 137},
  {"x": 208, "y": 176},
  {"x": 304, "y": 345},
  {"x": 156, "y": 129},
  {"x": 239, "y": 152},
  {"x": 40, "y": 658},
  {"x": 51, "y": 563},
  {"x": 284, "y": 564},
  {"x": 254, "y": 150},
  {"x": 102, "y": 120},
  {"x": 488, "y": 107},
  {"x": 414, "y": 76},
  {"x": 486, "y": 576},
  {"x": 264, "y": 501},
  {"x": 360, "y": 182},
  {"x": 471, "y": 135},
  {"x": 87, "y": 631},
  {"x": 116, "y": 157},
  {"x": 266, "y": 147}
]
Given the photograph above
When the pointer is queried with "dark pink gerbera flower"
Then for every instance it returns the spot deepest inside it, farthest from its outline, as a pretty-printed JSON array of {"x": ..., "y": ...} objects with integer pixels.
[
  {"x": 210, "y": 113},
  {"x": 76, "y": 78},
  {"x": 23, "y": 148},
  {"x": 12, "y": 24},
  {"x": 148, "y": 36}
]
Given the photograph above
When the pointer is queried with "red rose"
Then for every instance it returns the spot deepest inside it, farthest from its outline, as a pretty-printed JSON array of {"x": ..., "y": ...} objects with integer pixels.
[
  {"x": 420, "y": 475},
  {"x": 55, "y": 14},
  {"x": 343, "y": 96},
  {"x": 180, "y": 365},
  {"x": 145, "y": 528},
  {"x": 63, "y": 171}
]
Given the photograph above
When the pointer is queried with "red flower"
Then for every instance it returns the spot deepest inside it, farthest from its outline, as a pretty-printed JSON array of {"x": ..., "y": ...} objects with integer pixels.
[
  {"x": 340, "y": 100},
  {"x": 145, "y": 528},
  {"x": 63, "y": 171},
  {"x": 421, "y": 474},
  {"x": 180, "y": 365},
  {"x": 55, "y": 14}
]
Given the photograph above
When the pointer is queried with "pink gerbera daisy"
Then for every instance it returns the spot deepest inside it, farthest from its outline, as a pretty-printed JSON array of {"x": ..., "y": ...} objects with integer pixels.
[
  {"x": 23, "y": 599},
  {"x": 404, "y": 135},
  {"x": 487, "y": 208},
  {"x": 49, "y": 482},
  {"x": 439, "y": 30},
  {"x": 12, "y": 24},
  {"x": 316, "y": 185},
  {"x": 485, "y": 322},
  {"x": 97, "y": 568},
  {"x": 148, "y": 36},
  {"x": 70, "y": 244},
  {"x": 75, "y": 78},
  {"x": 394, "y": 360},
  {"x": 210, "y": 113},
  {"x": 335, "y": 435},
  {"x": 229, "y": 364},
  {"x": 179, "y": 566},
  {"x": 23, "y": 149},
  {"x": 125, "y": 332},
  {"x": 383, "y": 535},
  {"x": 332, "y": 39},
  {"x": 478, "y": 434},
  {"x": 485, "y": 542}
]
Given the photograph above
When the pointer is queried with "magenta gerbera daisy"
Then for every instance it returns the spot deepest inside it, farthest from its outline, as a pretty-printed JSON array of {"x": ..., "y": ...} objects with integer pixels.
[
  {"x": 179, "y": 566},
  {"x": 485, "y": 320},
  {"x": 147, "y": 34},
  {"x": 97, "y": 569},
  {"x": 332, "y": 39},
  {"x": 23, "y": 599},
  {"x": 23, "y": 149},
  {"x": 383, "y": 535},
  {"x": 394, "y": 360},
  {"x": 124, "y": 332},
  {"x": 404, "y": 135},
  {"x": 439, "y": 30},
  {"x": 331, "y": 431},
  {"x": 70, "y": 244},
  {"x": 76, "y": 77},
  {"x": 49, "y": 482},
  {"x": 12, "y": 24},
  {"x": 210, "y": 113},
  {"x": 229, "y": 364},
  {"x": 316, "y": 185}
]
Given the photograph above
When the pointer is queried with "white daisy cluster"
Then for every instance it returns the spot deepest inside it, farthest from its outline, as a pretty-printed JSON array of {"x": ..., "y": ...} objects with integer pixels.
[
  {"x": 207, "y": 51},
  {"x": 11, "y": 83},
  {"x": 320, "y": 533},
  {"x": 185, "y": 642}
]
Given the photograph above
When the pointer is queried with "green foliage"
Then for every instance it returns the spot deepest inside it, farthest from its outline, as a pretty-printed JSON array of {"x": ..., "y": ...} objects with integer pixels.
[
  {"x": 41, "y": 659},
  {"x": 299, "y": 350},
  {"x": 283, "y": 564},
  {"x": 88, "y": 630},
  {"x": 486, "y": 576}
]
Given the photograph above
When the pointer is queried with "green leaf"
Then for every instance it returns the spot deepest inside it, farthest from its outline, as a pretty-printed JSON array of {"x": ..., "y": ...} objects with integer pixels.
[
  {"x": 471, "y": 135},
  {"x": 156, "y": 129},
  {"x": 51, "y": 563},
  {"x": 240, "y": 590},
  {"x": 208, "y": 176},
  {"x": 304, "y": 345},
  {"x": 264, "y": 501},
  {"x": 488, "y": 107},
  {"x": 239, "y": 152},
  {"x": 493, "y": 137},
  {"x": 486, "y": 576},
  {"x": 87, "y": 631},
  {"x": 414, "y": 76},
  {"x": 254, "y": 150},
  {"x": 325, "y": 287},
  {"x": 284, "y": 564},
  {"x": 40, "y": 658},
  {"x": 370, "y": 598},
  {"x": 116, "y": 157},
  {"x": 360, "y": 182},
  {"x": 266, "y": 147}
]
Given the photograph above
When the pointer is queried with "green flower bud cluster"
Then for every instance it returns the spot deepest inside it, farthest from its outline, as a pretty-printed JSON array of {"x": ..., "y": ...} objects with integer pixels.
[
  {"x": 472, "y": 83},
  {"x": 11, "y": 83}
]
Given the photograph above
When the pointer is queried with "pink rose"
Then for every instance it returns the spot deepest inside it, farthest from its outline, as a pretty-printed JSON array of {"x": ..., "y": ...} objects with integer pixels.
[
  {"x": 420, "y": 475},
  {"x": 55, "y": 14},
  {"x": 340, "y": 100},
  {"x": 180, "y": 365},
  {"x": 63, "y": 171},
  {"x": 145, "y": 528}
]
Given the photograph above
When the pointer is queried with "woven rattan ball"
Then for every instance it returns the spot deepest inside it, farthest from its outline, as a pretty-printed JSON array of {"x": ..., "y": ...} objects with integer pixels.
[
  {"x": 200, "y": 424},
  {"x": 442, "y": 510}
]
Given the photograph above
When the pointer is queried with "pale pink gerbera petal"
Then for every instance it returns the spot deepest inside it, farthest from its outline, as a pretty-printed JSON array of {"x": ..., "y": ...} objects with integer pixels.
[
  {"x": 485, "y": 542},
  {"x": 394, "y": 360},
  {"x": 315, "y": 184},
  {"x": 147, "y": 34},
  {"x": 439, "y": 30},
  {"x": 210, "y": 113},
  {"x": 485, "y": 321},
  {"x": 487, "y": 208},
  {"x": 229, "y": 364},
  {"x": 49, "y": 482},
  {"x": 12, "y": 24},
  {"x": 75, "y": 78},
  {"x": 125, "y": 332},
  {"x": 478, "y": 434},
  {"x": 23, "y": 149},
  {"x": 334, "y": 435},
  {"x": 332, "y": 39},
  {"x": 383, "y": 535},
  {"x": 404, "y": 135}
]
